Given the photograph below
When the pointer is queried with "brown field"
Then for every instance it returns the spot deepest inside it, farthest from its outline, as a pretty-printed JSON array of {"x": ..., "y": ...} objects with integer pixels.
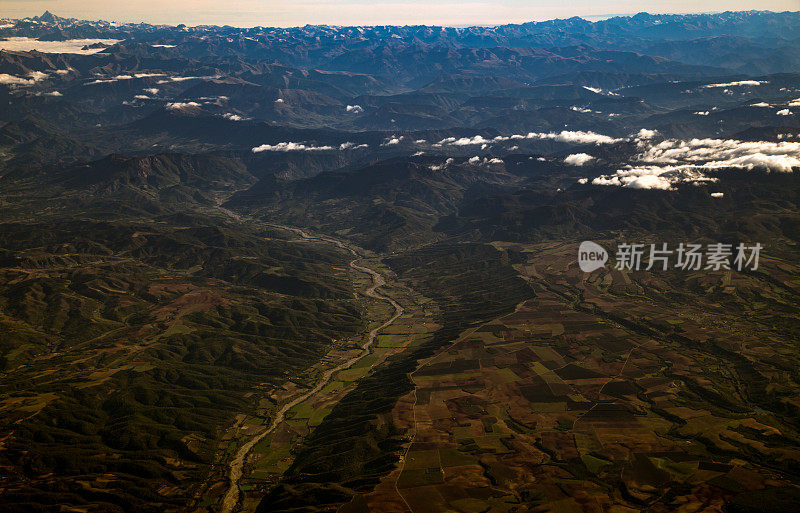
[{"x": 557, "y": 407}]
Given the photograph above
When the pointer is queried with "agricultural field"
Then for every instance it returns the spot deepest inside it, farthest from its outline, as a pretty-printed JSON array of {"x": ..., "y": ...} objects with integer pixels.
[
  {"x": 558, "y": 406},
  {"x": 274, "y": 455}
]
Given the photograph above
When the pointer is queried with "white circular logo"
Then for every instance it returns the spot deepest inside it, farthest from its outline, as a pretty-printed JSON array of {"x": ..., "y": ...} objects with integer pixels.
[{"x": 591, "y": 256}]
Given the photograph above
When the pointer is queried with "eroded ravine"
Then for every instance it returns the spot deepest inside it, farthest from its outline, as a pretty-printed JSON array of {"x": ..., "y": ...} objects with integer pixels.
[{"x": 236, "y": 465}]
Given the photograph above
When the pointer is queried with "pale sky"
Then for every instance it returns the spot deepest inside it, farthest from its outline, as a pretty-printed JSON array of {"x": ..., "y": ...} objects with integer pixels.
[{"x": 247, "y": 13}]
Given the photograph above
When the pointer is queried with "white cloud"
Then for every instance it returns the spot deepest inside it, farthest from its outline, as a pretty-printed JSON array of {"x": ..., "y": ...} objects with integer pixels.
[
  {"x": 717, "y": 194},
  {"x": 232, "y": 117},
  {"x": 648, "y": 182},
  {"x": 355, "y": 109},
  {"x": 784, "y": 112},
  {"x": 779, "y": 163},
  {"x": 577, "y": 137},
  {"x": 279, "y": 100},
  {"x": 673, "y": 151},
  {"x": 671, "y": 162},
  {"x": 14, "y": 80},
  {"x": 110, "y": 80},
  {"x": 181, "y": 105},
  {"x": 795, "y": 103},
  {"x": 442, "y": 166},
  {"x": 600, "y": 91},
  {"x": 352, "y": 146},
  {"x": 141, "y": 97},
  {"x": 126, "y": 77},
  {"x": 26, "y": 44},
  {"x": 760, "y": 104},
  {"x": 652, "y": 177},
  {"x": 183, "y": 79},
  {"x": 739, "y": 83},
  {"x": 566, "y": 136},
  {"x": 464, "y": 141},
  {"x": 580, "y": 109},
  {"x": 53, "y": 93},
  {"x": 392, "y": 141},
  {"x": 38, "y": 75},
  {"x": 578, "y": 159},
  {"x": 32, "y": 78},
  {"x": 475, "y": 161},
  {"x": 701, "y": 113},
  {"x": 290, "y": 146},
  {"x": 644, "y": 133}
]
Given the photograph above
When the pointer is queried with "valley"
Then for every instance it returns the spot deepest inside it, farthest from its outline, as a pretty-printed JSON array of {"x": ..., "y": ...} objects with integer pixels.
[{"x": 230, "y": 499}]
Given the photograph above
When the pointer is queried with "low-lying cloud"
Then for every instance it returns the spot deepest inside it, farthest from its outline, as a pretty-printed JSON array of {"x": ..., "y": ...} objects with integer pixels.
[
  {"x": 30, "y": 79},
  {"x": 79, "y": 46},
  {"x": 303, "y": 146},
  {"x": 393, "y": 141},
  {"x": 597, "y": 90},
  {"x": 578, "y": 159},
  {"x": 182, "y": 105},
  {"x": 738, "y": 83},
  {"x": 290, "y": 146},
  {"x": 666, "y": 164},
  {"x": 565, "y": 136},
  {"x": 352, "y": 146},
  {"x": 183, "y": 79},
  {"x": 124, "y": 77}
]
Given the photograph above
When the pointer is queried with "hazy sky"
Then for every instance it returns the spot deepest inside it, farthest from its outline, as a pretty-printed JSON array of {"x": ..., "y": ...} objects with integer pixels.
[{"x": 363, "y": 12}]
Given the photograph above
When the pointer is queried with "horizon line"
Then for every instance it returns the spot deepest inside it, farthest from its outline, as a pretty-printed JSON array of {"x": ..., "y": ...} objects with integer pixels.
[{"x": 589, "y": 18}]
